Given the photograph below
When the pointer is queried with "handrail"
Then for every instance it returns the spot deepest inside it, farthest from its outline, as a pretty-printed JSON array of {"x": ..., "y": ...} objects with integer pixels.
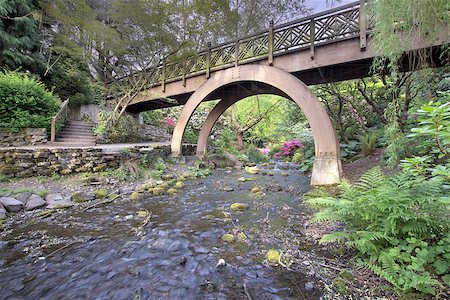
[
  {"x": 60, "y": 116},
  {"x": 336, "y": 24}
]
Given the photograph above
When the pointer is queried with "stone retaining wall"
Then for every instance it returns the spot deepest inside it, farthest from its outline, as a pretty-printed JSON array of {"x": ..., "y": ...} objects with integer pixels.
[
  {"x": 23, "y": 137},
  {"x": 27, "y": 162}
]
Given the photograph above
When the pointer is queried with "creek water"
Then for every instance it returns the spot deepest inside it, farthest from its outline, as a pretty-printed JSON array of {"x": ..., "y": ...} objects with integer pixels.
[{"x": 98, "y": 254}]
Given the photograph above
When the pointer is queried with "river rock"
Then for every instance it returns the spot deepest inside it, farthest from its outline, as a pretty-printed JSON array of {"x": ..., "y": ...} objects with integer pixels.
[
  {"x": 53, "y": 198},
  {"x": 23, "y": 197},
  {"x": 11, "y": 204},
  {"x": 309, "y": 286},
  {"x": 2, "y": 212},
  {"x": 34, "y": 202},
  {"x": 64, "y": 203}
]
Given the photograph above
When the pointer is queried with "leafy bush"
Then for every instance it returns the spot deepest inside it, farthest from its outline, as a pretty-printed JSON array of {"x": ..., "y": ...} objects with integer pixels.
[
  {"x": 25, "y": 102},
  {"x": 254, "y": 155},
  {"x": 115, "y": 129},
  {"x": 350, "y": 149},
  {"x": 399, "y": 225}
]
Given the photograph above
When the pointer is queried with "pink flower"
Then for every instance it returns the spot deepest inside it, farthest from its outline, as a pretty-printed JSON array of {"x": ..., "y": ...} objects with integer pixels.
[{"x": 169, "y": 122}]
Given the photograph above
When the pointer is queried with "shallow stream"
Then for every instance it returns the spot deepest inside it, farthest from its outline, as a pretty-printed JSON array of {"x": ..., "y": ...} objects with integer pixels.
[{"x": 105, "y": 253}]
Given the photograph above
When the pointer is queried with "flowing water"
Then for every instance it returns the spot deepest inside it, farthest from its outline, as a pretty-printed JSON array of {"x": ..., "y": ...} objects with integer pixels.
[{"x": 105, "y": 253}]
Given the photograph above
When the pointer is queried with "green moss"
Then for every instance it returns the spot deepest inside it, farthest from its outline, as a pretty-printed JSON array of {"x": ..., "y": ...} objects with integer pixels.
[
  {"x": 241, "y": 236},
  {"x": 78, "y": 197},
  {"x": 179, "y": 185},
  {"x": 100, "y": 193},
  {"x": 239, "y": 206},
  {"x": 167, "y": 176},
  {"x": 273, "y": 256},
  {"x": 142, "y": 213},
  {"x": 158, "y": 191},
  {"x": 255, "y": 190},
  {"x": 339, "y": 285},
  {"x": 228, "y": 238},
  {"x": 113, "y": 196},
  {"x": 171, "y": 192},
  {"x": 135, "y": 196}
]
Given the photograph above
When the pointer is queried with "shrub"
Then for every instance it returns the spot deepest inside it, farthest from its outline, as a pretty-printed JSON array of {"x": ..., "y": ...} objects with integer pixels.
[
  {"x": 115, "y": 129},
  {"x": 254, "y": 155},
  {"x": 399, "y": 226},
  {"x": 25, "y": 102},
  {"x": 288, "y": 150}
]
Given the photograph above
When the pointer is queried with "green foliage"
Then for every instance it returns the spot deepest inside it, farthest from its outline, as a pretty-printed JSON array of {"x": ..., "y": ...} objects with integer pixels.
[
  {"x": 160, "y": 166},
  {"x": 399, "y": 23},
  {"x": 399, "y": 225},
  {"x": 25, "y": 102},
  {"x": 154, "y": 117},
  {"x": 434, "y": 125},
  {"x": 199, "y": 169},
  {"x": 350, "y": 149},
  {"x": 254, "y": 155},
  {"x": 368, "y": 142},
  {"x": 20, "y": 36},
  {"x": 115, "y": 129},
  {"x": 70, "y": 77}
]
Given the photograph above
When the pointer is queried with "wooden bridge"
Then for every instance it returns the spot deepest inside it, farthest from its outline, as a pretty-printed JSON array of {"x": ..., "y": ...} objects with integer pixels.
[{"x": 327, "y": 47}]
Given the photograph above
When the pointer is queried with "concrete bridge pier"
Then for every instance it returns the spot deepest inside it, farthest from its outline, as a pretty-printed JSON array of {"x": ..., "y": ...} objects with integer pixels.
[{"x": 327, "y": 165}]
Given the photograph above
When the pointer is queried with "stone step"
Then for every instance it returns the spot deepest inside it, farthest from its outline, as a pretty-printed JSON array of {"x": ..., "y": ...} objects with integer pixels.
[
  {"x": 79, "y": 123},
  {"x": 69, "y": 130},
  {"x": 76, "y": 140},
  {"x": 79, "y": 133},
  {"x": 69, "y": 144},
  {"x": 87, "y": 127},
  {"x": 76, "y": 137}
]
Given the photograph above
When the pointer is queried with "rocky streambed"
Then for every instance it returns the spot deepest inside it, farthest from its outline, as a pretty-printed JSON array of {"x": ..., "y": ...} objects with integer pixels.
[{"x": 190, "y": 245}]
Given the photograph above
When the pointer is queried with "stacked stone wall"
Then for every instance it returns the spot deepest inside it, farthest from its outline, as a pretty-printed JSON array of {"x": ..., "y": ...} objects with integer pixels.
[
  {"x": 22, "y": 137},
  {"x": 28, "y": 162}
]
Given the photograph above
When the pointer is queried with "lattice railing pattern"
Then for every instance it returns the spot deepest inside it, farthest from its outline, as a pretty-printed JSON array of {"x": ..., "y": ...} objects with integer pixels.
[
  {"x": 331, "y": 26},
  {"x": 296, "y": 35},
  {"x": 337, "y": 26}
]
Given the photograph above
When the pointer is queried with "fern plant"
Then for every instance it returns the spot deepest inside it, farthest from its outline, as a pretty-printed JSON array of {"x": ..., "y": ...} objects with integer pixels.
[{"x": 399, "y": 226}]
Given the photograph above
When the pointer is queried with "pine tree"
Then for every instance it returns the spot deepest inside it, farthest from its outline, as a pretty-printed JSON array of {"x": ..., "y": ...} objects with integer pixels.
[{"x": 19, "y": 35}]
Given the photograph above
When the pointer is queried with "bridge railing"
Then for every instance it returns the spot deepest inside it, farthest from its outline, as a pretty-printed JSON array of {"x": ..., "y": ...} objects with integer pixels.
[{"x": 345, "y": 22}]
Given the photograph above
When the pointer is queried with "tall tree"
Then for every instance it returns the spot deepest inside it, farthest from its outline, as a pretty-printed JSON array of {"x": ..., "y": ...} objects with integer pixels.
[{"x": 20, "y": 36}]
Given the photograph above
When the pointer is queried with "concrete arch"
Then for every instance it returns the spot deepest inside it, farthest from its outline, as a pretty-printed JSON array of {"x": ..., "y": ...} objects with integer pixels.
[{"x": 327, "y": 164}]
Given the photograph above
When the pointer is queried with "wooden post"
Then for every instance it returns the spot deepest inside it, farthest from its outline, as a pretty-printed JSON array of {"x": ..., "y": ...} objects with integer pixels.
[
  {"x": 53, "y": 130},
  {"x": 362, "y": 25},
  {"x": 163, "y": 76},
  {"x": 270, "y": 47},
  {"x": 208, "y": 60},
  {"x": 236, "y": 54},
  {"x": 312, "y": 33},
  {"x": 183, "y": 66}
]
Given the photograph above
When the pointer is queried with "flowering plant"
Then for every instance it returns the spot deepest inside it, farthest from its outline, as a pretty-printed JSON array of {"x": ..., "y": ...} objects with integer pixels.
[
  {"x": 169, "y": 124},
  {"x": 288, "y": 149}
]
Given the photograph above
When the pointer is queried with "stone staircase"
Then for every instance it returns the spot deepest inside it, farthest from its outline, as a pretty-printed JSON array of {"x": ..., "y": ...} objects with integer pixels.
[{"x": 75, "y": 134}]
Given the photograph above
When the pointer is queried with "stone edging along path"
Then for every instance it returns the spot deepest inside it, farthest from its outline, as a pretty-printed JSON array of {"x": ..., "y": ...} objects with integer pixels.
[{"x": 22, "y": 162}]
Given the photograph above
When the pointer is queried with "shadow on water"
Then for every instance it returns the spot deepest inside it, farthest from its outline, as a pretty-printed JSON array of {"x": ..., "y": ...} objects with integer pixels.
[{"x": 98, "y": 255}]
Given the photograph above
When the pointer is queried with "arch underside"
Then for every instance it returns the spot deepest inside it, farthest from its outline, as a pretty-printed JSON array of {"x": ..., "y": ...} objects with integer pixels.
[{"x": 234, "y": 84}]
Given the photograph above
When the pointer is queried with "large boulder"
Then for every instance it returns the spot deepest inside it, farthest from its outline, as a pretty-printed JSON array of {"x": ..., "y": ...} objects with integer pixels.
[
  {"x": 64, "y": 203},
  {"x": 34, "y": 202},
  {"x": 11, "y": 204}
]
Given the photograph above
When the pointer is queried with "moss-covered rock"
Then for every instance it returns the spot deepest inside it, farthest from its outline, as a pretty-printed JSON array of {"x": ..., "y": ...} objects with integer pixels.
[
  {"x": 241, "y": 236},
  {"x": 251, "y": 170},
  {"x": 158, "y": 191},
  {"x": 179, "y": 185},
  {"x": 167, "y": 176},
  {"x": 244, "y": 179},
  {"x": 228, "y": 238},
  {"x": 284, "y": 174},
  {"x": 171, "y": 192},
  {"x": 239, "y": 206},
  {"x": 100, "y": 193},
  {"x": 135, "y": 196},
  {"x": 255, "y": 190},
  {"x": 163, "y": 186},
  {"x": 141, "y": 188},
  {"x": 142, "y": 213},
  {"x": 273, "y": 256},
  {"x": 79, "y": 197}
]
